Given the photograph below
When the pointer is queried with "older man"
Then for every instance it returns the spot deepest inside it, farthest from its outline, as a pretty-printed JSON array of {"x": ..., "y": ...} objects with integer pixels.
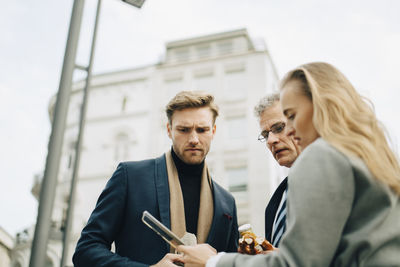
[{"x": 285, "y": 151}]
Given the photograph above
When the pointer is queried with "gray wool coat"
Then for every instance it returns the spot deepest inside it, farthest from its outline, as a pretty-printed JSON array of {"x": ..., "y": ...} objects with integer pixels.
[{"x": 338, "y": 215}]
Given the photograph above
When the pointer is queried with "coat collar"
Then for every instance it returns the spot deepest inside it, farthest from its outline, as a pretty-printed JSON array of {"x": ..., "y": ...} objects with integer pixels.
[
  {"x": 272, "y": 208},
  {"x": 161, "y": 180},
  {"x": 221, "y": 208},
  {"x": 222, "y": 212}
]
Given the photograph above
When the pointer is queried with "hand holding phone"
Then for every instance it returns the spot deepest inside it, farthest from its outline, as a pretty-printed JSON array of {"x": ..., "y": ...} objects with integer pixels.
[{"x": 161, "y": 229}]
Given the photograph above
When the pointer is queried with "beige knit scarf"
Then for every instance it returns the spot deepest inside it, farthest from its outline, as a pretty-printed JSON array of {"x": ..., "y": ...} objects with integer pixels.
[{"x": 177, "y": 210}]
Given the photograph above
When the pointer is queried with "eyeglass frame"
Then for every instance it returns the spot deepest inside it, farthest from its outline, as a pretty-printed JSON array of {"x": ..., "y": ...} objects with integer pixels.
[{"x": 275, "y": 129}]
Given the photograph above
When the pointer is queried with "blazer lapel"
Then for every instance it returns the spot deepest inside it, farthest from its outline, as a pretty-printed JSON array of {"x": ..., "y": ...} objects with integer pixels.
[
  {"x": 161, "y": 180},
  {"x": 222, "y": 213},
  {"x": 272, "y": 207}
]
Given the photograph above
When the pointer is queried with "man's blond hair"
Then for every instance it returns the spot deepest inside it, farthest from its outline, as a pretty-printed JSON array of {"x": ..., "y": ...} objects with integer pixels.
[{"x": 191, "y": 99}]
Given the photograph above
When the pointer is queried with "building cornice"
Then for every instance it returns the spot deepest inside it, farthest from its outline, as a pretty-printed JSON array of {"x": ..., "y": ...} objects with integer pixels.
[
  {"x": 209, "y": 38},
  {"x": 217, "y": 58},
  {"x": 116, "y": 117},
  {"x": 6, "y": 239}
]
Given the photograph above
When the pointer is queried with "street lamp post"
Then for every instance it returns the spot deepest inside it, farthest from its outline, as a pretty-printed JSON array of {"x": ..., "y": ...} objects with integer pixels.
[
  {"x": 49, "y": 182},
  {"x": 78, "y": 146},
  {"x": 136, "y": 3}
]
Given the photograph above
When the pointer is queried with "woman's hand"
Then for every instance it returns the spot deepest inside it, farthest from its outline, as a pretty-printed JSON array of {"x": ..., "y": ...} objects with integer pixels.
[{"x": 197, "y": 255}]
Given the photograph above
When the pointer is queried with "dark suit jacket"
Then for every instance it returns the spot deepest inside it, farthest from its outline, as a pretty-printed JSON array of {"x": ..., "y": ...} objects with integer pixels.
[
  {"x": 272, "y": 208},
  {"x": 133, "y": 188}
]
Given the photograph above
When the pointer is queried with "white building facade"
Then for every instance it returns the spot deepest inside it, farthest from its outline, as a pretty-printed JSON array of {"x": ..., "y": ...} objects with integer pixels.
[
  {"x": 126, "y": 121},
  {"x": 6, "y": 245}
]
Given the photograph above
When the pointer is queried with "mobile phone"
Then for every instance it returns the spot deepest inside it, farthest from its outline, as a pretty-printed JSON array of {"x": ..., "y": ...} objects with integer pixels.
[{"x": 161, "y": 229}]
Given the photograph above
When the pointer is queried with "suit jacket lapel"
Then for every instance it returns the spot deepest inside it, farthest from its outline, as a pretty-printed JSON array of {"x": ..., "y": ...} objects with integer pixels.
[
  {"x": 272, "y": 207},
  {"x": 206, "y": 207},
  {"x": 162, "y": 188},
  {"x": 221, "y": 209}
]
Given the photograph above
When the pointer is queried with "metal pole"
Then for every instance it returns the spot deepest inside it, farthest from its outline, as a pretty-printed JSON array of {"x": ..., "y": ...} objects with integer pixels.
[
  {"x": 49, "y": 182},
  {"x": 78, "y": 147}
]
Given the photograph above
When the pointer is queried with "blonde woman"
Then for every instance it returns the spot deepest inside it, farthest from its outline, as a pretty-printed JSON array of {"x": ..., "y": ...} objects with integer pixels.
[{"x": 344, "y": 189}]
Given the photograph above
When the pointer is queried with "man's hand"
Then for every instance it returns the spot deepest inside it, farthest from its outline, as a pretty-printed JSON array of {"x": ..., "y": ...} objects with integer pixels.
[
  {"x": 197, "y": 255},
  {"x": 168, "y": 260}
]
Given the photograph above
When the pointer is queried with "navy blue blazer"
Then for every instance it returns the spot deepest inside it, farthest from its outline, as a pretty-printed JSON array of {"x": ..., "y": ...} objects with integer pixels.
[
  {"x": 272, "y": 208},
  {"x": 133, "y": 188}
]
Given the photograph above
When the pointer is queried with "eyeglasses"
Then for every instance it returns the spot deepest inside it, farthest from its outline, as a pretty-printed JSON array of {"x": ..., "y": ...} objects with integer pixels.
[{"x": 275, "y": 129}]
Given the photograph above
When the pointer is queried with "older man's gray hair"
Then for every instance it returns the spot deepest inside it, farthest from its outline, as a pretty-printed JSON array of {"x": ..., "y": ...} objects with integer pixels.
[{"x": 264, "y": 103}]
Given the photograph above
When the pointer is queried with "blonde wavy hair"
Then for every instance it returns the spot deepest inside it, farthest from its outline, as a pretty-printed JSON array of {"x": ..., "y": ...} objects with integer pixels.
[{"x": 347, "y": 120}]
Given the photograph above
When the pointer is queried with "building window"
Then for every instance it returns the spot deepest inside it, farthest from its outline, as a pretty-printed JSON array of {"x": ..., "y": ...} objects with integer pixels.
[
  {"x": 77, "y": 111},
  {"x": 236, "y": 128},
  {"x": 173, "y": 87},
  {"x": 237, "y": 184},
  {"x": 241, "y": 198},
  {"x": 203, "y": 51},
  {"x": 225, "y": 48},
  {"x": 235, "y": 85},
  {"x": 205, "y": 83},
  {"x": 124, "y": 101},
  {"x": 182, "y": 55},
  {"x": 121, "y": 149},
  {"x": 71, "y": 154},
  {"x": 237, "y": 179}
]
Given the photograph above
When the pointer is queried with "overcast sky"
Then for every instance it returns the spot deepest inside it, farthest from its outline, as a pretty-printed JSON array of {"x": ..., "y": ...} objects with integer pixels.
[{"x": 361, "y": 38}]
